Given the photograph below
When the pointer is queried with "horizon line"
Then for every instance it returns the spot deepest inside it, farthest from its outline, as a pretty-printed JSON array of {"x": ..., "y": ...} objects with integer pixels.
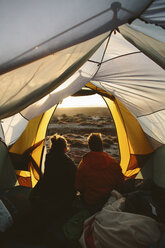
[{"x": 84, "y": 107}]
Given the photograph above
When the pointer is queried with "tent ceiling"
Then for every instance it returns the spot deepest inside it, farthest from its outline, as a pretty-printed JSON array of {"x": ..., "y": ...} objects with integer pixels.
[
  {"x": 36, "y": 28},
  {"x": 40, "y": 50},
  {"x": 122, "y": 70},
  {"x": 155, "y": 13},
  {"x": 148, "y": 38},
  {"x": 31, "y": 82}
]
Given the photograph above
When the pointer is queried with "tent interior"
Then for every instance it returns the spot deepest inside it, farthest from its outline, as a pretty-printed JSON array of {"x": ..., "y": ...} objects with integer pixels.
[{"x": 114, "y": 49}]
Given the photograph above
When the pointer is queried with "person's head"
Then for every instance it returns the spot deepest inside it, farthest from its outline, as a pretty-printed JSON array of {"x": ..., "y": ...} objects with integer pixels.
[
  {"x": 95, "y": 142},
  {"x": 59, "y": 143}
]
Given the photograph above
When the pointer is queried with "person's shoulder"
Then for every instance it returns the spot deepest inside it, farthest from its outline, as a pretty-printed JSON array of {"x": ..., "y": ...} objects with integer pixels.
[
  {"x": 49, "y": 158},
  {"x": 68, "y": 159},
  {"x": 111, "y": 158},
  {"x": 86, "y": 154},
  {"x": 105, "y": 154}
]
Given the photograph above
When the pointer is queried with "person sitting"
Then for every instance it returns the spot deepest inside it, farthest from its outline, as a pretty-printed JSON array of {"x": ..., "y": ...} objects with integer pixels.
[
  {"x": 97, "y": 174},
  {"x": 55, "y": 191}
]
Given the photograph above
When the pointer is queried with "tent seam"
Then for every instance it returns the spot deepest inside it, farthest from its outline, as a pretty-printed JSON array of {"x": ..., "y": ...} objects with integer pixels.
[
  {"x": 151, "y": 113},
  {"x": 127, "y": 54},
  {"x": 99, "y": 63}
]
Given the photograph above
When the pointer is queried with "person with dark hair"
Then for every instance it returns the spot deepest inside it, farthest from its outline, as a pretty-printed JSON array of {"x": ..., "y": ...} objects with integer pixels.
[
  {"x": 95, "y": 142},
  {"x": 97, "y": 174},
  {"x": 55, "y": 191}
]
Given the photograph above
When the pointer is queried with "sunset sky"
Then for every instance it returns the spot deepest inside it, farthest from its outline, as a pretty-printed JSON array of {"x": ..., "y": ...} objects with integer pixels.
[{"x": 83, "y": 101}]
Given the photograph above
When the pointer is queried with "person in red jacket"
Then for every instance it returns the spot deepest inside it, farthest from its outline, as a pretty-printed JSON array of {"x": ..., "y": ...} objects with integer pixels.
[{"x": 97, "y": 174}]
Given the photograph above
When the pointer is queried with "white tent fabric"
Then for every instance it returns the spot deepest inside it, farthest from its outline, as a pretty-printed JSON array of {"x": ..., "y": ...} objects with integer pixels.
[
  {"x": 13, "y": 127},
  {"x": 133, "y": 83},
  {"x": 153, "y": 125},
  {"x": 36, "y": 28},
  {"x": 69, "y": 87},
  {"x": 29, "y": 83},
  {"x": 121, "y": 69},
  {"x": 1, "y": 133},
  {"x": 148, "y": 38},
  {"x": 44, "y": 44},
  {"x": 150, "y": 30},
  {"x": 139, "y": 84},
  {"x": 155, "y": 13}
]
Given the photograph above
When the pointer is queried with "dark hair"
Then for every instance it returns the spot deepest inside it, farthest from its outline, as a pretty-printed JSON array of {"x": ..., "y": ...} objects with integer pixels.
[
  {"x": 95, "y": 142},
  {"x": 59, "y": 143}
]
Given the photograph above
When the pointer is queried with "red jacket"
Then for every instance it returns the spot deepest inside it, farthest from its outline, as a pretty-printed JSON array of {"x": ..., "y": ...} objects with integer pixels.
[{"x": 97, "y": 174}]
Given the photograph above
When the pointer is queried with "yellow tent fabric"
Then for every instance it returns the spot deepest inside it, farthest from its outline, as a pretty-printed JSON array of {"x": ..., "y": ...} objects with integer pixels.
[
  {"x": 31, "y": 143},
  {"x": 133, "y": 143}
]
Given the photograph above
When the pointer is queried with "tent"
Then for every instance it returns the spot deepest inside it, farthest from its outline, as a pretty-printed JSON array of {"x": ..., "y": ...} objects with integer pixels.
[
  {"x": 54, "y": 49},
  {"x": 115, "y": 49}
]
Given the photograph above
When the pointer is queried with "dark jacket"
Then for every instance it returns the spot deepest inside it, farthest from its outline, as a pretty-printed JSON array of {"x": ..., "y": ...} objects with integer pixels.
[{"x": 56, "y": 188}]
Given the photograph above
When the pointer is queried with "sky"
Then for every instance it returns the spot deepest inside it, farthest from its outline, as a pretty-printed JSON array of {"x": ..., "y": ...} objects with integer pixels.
[{"x": 83, "y": 101}]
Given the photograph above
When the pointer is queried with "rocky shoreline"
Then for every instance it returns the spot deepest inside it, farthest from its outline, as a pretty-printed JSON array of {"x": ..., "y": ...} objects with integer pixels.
[{"x": 76, "y": 128}]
